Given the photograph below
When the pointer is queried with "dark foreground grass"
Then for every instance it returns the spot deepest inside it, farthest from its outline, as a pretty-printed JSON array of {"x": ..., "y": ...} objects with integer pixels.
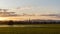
[{"x": 31, "y": 30}]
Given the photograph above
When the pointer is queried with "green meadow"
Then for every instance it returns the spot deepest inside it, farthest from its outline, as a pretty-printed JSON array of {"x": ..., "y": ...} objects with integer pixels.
[{"x": 44, "y": 29}]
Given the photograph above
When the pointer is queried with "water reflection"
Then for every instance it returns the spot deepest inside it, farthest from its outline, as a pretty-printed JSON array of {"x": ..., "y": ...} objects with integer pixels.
[{"x": 23, "y": 26}]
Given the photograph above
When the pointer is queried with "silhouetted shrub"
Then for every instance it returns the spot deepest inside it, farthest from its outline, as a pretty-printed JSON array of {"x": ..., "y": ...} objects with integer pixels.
[{"x": 10, "y": 22}]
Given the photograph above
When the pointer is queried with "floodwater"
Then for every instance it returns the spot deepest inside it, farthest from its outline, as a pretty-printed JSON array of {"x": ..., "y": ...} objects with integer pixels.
[{"x": 22, "y": 26}]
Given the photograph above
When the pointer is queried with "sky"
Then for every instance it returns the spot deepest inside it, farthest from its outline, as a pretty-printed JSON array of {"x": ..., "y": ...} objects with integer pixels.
[{"x": 32, "y": 6}]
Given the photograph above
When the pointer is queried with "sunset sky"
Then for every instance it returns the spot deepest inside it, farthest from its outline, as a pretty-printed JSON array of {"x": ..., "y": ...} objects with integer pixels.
[{"x": 32, "y": 6}]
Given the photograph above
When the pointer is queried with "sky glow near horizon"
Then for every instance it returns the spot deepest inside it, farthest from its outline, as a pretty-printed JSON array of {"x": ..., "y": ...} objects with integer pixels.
[{"x": 32, "y": 6}]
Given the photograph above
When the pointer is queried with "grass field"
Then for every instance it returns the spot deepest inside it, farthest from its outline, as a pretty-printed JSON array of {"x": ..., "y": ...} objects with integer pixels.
[{"x": 44, "y": 29}]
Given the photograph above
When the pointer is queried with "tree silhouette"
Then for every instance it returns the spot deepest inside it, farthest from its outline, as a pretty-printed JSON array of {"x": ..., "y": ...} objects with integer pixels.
[{"x": 10, "y": 22}]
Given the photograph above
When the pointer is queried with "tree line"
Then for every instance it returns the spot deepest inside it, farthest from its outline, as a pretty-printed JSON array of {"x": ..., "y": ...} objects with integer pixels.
[{"x": 31, "y": 22}]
